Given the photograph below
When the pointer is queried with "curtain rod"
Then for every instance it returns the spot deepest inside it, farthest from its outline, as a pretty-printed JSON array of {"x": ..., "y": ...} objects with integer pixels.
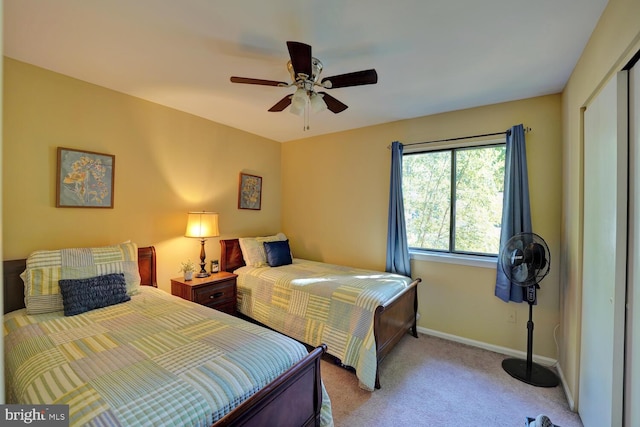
[{"x": 526, "y": 129}]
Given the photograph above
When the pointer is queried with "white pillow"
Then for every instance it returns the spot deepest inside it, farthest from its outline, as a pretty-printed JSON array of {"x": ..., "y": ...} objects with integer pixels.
[{"x": 253, "y": 249}]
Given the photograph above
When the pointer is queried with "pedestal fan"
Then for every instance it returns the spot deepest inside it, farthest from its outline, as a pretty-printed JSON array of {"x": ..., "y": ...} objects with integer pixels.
[{"x": 525, "y": 260}]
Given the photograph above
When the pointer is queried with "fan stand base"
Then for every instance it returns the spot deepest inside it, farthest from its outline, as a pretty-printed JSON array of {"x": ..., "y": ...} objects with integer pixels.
[{"x": 537, "y": 375}]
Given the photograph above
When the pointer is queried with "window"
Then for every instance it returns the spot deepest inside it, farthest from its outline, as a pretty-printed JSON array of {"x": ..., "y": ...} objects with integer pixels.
[{"x": 453, "y": 198}]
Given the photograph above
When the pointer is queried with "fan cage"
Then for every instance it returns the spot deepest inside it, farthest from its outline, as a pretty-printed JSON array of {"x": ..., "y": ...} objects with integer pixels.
[{"x": 521, "y": 252}]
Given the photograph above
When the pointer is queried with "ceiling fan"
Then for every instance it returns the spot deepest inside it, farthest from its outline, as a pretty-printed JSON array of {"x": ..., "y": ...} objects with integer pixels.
[{"x": 305, "y": 75}]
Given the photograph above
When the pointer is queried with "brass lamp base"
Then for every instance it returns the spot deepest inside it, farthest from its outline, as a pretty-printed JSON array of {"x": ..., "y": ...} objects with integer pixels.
[{"x": 203, "y": 272}]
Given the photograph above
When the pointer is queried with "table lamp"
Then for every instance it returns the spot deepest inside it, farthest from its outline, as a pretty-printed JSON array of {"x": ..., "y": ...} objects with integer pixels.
[{"x": 202, "y": 225}]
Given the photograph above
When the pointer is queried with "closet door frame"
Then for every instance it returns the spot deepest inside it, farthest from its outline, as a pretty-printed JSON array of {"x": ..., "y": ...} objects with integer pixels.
[
  {"x": 632, "y": 343},
  {"x": 604, "y": 270}
]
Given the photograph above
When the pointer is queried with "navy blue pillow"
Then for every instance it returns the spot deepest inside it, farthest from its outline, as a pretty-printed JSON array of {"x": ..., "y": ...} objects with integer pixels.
[
  {"x": 278, "y": 253},
  {"x": 82, "y": 295}
]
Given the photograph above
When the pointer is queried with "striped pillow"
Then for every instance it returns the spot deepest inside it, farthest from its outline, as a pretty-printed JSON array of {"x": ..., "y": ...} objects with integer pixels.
[{"x": 46, "y": 268}]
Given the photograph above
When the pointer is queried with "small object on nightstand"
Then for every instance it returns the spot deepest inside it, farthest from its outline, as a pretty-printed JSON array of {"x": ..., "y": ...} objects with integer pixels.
[
  {"x": 217, "y": 291},
  {"x": 187, "y": 269},
  {"x": 214, "y": 266}
]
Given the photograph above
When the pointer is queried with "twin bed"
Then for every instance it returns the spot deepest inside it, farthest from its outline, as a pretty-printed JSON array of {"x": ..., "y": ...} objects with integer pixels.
[
  {"x": 153, "y": 359},
  {"x": 359, "y": 314}
]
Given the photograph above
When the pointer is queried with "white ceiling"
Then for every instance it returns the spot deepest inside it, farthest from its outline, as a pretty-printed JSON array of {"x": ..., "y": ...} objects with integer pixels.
[{"x": 431, "y": 56}]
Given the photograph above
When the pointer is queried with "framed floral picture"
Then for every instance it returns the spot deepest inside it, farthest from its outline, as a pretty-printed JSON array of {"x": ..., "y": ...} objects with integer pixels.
[
  {"x": 84, "y": 179},
  {"x": 250, "y": 192}
]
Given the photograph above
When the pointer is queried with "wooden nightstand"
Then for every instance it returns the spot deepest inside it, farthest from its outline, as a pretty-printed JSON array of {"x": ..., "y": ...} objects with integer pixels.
[{"x": 216, "y": 291}]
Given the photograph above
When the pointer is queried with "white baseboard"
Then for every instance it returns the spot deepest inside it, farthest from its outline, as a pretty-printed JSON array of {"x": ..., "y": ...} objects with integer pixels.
[
  {"x": 567, "y": 392},
  {"x": 545, "y": 361}
]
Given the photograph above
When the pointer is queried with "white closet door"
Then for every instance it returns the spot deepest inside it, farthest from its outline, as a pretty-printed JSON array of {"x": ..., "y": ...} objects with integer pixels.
[
  {"x": 604, "y": 256},
  {"x": 632, "y": 363}
]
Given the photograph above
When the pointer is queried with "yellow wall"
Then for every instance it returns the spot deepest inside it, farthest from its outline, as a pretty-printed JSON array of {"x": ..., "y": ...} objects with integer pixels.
[
  {"x": 613, "y": 42},
  {"x": 166, "y": 164},
  {"x": 335, "y": 191}
]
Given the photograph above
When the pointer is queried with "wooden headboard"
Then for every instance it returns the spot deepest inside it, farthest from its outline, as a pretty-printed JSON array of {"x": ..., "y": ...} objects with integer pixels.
[
  {"x": 230, "y": 255},
  {"x": 14, "y": 287}
]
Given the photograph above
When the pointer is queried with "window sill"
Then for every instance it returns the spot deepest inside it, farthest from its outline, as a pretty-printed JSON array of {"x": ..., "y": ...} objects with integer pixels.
[{"x": 470, "y": 260}]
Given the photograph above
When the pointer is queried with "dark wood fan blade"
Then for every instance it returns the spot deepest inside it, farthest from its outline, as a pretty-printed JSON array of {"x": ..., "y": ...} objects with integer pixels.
[
  {"x": 300, "y": 54},
  {"x": 332, "y": 103},
  {"x": 250, "y": 81},
  {"x": 282, "y": 104},
  {"x": 358, "y": 78}
]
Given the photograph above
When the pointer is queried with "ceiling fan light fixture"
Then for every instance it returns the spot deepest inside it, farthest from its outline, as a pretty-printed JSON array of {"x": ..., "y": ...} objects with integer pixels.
[
  {"x": 297, "y": 110},
  {"x": 298, "y": 102},
  {"x": 305, "y": 71},
  {"x": 317, "y": 103}
]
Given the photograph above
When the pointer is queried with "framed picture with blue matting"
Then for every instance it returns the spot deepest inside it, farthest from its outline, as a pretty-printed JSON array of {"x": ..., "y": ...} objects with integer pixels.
[{"x": 84, "y": 179}]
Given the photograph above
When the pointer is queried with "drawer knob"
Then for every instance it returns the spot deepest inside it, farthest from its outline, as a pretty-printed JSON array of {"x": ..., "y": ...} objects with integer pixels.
[{"x": 216, "y": 295}]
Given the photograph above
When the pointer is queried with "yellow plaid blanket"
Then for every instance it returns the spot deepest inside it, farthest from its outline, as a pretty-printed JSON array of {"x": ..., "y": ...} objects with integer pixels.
[
  {"x": 318, "y": 303},
  {"x": 156, "y": 360}
]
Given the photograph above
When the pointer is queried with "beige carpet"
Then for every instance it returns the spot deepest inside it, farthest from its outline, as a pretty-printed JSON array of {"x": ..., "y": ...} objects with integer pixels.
[{"x": 429, "y": 381}]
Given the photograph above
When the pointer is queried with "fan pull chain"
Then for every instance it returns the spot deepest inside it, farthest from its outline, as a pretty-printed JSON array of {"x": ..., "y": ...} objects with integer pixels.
[{"x": 307, "y": 107}]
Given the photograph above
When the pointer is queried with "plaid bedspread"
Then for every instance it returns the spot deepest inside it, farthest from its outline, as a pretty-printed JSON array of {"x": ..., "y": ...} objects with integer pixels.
[
  {"x": 317, "y": 303},
  {"x": 155, "y": 360}
]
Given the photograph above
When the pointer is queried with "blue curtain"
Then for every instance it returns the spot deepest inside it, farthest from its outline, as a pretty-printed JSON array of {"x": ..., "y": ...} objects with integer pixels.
[
  {"x": 516, "y": 210},
  {"x": 397, "y": 246}
]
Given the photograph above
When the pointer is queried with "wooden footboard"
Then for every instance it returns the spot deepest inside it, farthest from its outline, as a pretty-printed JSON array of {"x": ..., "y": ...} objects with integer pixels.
[
  {"x": 392, "y": 321},
  {"x": 293, "y": 399}
]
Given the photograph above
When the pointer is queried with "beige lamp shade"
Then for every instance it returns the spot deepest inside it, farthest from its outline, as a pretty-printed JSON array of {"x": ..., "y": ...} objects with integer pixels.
[{"x": 202, "y": 225}]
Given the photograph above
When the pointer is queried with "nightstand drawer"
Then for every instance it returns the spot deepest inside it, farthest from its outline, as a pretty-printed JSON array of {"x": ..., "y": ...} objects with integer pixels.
[
  {"x": 228, "y": 306},
  {"x": 216, "y": 293}
]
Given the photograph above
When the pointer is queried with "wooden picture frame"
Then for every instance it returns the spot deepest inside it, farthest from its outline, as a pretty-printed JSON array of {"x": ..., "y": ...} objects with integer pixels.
[
  {"x": 250, "y": 192},
  {"x": 84, "y": 179}
]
